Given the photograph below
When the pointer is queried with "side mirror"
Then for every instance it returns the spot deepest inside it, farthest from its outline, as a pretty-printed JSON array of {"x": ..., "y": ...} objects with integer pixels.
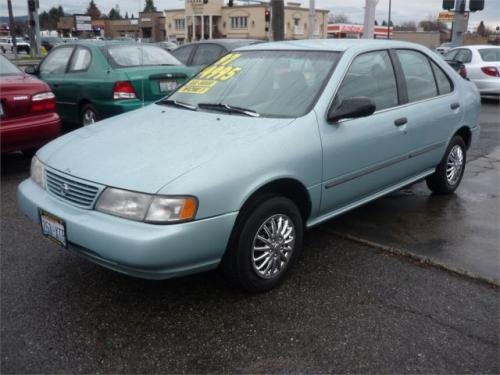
[
  {"x": 31, "y": 69},
  {"x": 351, "y": 108}
]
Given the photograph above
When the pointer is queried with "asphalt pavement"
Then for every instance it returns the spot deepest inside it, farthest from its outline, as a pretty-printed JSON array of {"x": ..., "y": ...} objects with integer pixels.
[{"x": 346, "y": 307}]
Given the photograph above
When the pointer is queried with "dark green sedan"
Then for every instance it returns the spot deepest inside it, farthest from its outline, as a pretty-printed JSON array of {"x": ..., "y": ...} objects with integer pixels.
[{"x": 95, "y": 80}]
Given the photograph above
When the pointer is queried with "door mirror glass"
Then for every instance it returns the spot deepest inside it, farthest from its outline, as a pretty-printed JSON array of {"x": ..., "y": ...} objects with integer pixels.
[
  {"x": 31, "y": 69},
  {"x": 351, "y": 108}
]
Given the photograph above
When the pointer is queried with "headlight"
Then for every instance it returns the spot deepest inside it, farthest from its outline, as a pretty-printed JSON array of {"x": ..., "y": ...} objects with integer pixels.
[
  {"x": 146, "y": 207},
  {"x": 36, "y": 171}
]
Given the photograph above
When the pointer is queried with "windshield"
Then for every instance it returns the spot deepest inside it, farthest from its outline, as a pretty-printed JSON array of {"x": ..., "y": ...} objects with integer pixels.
[
  {"x": 490, "y": 54},
  {"x": 269, "y": 83},
  {"x": 122, "y": 56},
  {"x": 7, "y": 68}
]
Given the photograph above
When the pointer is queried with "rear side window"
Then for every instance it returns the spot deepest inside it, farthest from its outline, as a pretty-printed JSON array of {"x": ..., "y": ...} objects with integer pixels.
[
  {"x": 370, "y": 75},
  {"x": 81, "y": 60},
  {"x": 464, "y": 56},
  {"x": 207, "y": 54},
  {"x": 490, "y": 54},
  {"x": 443, "y": 82},
  {"x": 56, "y": 61},
  {"x": 418, "y": 75},
  {"x": 182, "y": 53}
]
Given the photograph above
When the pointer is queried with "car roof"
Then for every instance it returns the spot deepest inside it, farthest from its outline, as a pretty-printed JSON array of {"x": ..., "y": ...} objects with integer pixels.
[
  {"x": 228, "y": 43},
  {"x": 337, "y": 45}
]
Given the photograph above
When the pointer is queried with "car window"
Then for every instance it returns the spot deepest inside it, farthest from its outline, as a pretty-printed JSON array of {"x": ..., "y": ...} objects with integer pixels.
[
  {"x": 122, "y": 56},
  {"x": 56, "y": 61},
  {"x": 182, "y": 53},
  {"x": 450, "y": 55},
  {"x": 81, "y": 60},
  {"x": 7, "y": 68},
  {"x": 370, "y": 75},
  {"x": 443, "y": 82},
  {"x": 418, "y": 75},
  {"x": 464, "y": 56},
  {"x": 490, "y": 54},
  {"x": 207, "y": 54}
]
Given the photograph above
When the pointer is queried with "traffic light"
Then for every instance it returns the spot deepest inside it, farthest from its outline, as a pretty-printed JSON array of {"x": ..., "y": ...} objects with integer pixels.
[
  {"x": 268, "y": 15},
  {"x": 448, "y": 4},
  {"x": 31, "y": 5},
  {"x": 475, "y": 5},
  {"x": 230, "y": 3}
]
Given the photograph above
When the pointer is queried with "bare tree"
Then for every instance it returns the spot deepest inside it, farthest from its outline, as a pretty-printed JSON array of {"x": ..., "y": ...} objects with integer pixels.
[
  {"x": 338, "y": 18},
  {"x": 406, "y": 26}
]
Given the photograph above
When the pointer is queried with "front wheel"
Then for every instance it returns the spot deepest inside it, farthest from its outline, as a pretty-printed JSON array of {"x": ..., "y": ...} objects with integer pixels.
[
  {"x": 267, "y": 244},
  {"x": 449, "y": 172}
]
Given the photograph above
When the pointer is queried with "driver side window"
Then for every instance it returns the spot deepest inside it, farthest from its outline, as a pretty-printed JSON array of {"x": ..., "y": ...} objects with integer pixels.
[{"x": 370, "y": 75}]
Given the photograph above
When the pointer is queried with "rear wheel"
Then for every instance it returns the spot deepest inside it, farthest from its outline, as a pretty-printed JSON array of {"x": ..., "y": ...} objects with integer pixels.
[
  {"x": 266, "y": 245},
  {"x": 450, "y": 170},
  {"x": 88, "y": 115}
]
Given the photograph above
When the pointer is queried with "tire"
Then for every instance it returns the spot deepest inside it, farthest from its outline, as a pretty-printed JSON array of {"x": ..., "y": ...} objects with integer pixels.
[
  {"x": 247, "y": 253},
  {"x": 88, "y": 115},
  {"x": 449, "y": 172}
]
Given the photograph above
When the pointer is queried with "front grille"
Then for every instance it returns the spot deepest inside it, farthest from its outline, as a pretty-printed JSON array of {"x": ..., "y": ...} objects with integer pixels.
[{"x": 71, "y": 190}]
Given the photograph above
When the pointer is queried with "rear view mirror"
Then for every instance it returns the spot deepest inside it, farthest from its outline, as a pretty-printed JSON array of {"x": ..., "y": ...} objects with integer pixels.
[
  {"x": 31, "y": 69},
  {"x": 351, "y": 108}
]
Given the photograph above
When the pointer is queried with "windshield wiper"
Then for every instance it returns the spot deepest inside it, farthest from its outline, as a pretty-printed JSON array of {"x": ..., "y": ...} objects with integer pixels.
[
  {"x": 228, "y": 108},
  {"x": 178, "y": 104}
]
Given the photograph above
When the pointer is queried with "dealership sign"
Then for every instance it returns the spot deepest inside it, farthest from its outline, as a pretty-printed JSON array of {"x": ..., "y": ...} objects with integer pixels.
[
  {"x": 450, "y": 16},
  {"x": 83, "y": 22}
]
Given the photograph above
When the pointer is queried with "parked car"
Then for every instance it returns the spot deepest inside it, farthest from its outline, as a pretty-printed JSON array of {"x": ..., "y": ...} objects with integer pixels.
[
  {"x": 482, "y": 65},
  {"x": 443, "y": 48},
  {"x": 166, "y": 45},
  {"x": 27, "y": 111},
  {"x": 94, "y": 80},
  {"x": 6, "y": 45},
  {"x": 50, "y": 42},
  {"x": 201, "y": 54},
  {"x": 232, "y": 167}
]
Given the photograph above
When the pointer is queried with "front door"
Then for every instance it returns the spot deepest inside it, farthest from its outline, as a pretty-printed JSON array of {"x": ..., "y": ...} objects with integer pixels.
[{"x": 365, "y": 155}]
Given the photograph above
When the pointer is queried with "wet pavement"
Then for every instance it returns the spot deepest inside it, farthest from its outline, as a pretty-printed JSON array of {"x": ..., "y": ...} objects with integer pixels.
[{"x": 460, "y": 232}]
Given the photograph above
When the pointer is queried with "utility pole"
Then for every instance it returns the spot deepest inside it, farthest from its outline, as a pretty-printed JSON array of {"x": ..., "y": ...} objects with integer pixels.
[
  {"x": 34, "y": 27},
  {"x": 389, "y": 22},
  {"x": 312, "y": 19},
  {"x": 11, "y": 27},
  {"x": 460, "y": 23},
  {"x": 369, "y": 22},
  {"x": 278, "y": 19}
]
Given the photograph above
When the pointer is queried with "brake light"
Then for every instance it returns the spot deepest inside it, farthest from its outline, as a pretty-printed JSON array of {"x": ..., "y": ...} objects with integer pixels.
[
  {"x": 123, "y": 90},
  {"x": 43, "y": 102},
  {"x": 491, "y": 71}
]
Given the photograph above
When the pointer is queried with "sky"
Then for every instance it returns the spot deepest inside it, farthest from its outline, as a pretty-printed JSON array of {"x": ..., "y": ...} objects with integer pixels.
[{"x": 402, "y": 10}]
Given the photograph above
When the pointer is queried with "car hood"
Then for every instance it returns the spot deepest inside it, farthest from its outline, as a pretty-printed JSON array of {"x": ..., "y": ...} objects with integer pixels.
[{"x": 146, "y": 149}]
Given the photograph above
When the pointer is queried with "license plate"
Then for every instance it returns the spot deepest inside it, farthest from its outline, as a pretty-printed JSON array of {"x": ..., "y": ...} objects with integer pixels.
[
  {"x": 53, "y": 228},
  {"x": 167, "y": 85}
]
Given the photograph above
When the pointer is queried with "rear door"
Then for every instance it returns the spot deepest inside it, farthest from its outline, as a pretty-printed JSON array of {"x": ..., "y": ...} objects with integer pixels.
[
  {"x": 433, "y": 108},
  {"x": 53, "y": 71}
]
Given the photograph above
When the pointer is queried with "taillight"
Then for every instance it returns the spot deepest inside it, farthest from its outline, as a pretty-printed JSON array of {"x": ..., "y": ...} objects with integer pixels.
[
  {"x": 123, "y": 90},
  {"x": 491, "y": 71},
  {"x": 43, "y": 102},
  {"x": 462, "y": 71}
]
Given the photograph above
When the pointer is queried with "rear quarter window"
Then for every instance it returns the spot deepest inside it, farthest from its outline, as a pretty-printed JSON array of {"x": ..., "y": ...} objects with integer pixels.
[{"x": 490, "y": 54}]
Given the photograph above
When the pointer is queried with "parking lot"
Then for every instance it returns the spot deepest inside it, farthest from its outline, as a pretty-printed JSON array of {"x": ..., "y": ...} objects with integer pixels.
[{"x": 350, "y": 304}]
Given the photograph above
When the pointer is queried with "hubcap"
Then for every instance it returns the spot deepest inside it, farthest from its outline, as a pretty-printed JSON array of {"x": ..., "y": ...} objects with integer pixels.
[
  {"x": 89, "y": 117},
  {"x": 273, "y": 246},
  {"x": 454, "y": 165}
]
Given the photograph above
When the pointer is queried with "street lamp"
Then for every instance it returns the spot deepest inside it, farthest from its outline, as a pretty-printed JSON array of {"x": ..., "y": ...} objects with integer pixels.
[{"x": 389, "y": 22}]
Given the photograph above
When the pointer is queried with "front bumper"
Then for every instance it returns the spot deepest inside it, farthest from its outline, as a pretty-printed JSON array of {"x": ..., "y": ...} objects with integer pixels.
[{"x": 134, "y": 248}]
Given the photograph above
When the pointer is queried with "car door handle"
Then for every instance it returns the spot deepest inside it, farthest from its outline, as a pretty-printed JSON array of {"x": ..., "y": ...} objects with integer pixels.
[
  {"x": 400, "y": 121},
  {"x": 454, "y": 105}
]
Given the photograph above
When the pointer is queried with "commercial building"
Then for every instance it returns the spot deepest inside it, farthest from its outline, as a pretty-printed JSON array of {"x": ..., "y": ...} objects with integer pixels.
[{"x": 197, "y": 21}]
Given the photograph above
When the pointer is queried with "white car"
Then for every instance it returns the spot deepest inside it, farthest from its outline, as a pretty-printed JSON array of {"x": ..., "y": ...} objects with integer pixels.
[
  {"x": 482, "y": 63},
  {"x": 443, "y": 48},
  {"x": 7, "y": 46}
]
